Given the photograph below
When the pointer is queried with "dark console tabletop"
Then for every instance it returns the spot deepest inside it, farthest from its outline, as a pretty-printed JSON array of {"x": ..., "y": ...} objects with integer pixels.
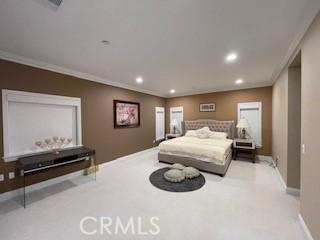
[{"x": 47, "y": 159}]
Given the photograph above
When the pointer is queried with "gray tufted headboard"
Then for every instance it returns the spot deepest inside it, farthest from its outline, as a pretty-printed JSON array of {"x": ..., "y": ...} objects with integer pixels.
[{"x": 214, "y": 125}]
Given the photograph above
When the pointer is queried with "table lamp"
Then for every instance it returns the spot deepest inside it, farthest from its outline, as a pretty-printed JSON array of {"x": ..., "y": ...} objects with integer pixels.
[{"x": 242, "y": 125}]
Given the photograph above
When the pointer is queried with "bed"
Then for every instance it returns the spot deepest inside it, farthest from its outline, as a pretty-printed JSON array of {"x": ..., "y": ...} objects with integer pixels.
[{"x": 210, "y": 155}]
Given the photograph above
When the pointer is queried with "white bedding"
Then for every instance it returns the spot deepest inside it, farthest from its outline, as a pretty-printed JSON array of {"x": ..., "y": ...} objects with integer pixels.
[{"x": 208, "y": 149}]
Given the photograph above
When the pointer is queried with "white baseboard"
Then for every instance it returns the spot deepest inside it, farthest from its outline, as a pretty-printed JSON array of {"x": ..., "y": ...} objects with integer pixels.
[
  {"x": 305, "y": 228},
  {"x": 14, "y": 193},
  {"x": 293, "y": 191},
  {"x": 283, "y": 183},
  {"x": 288, "y": 190},
  {"x": 137, "y": 153},
  {"x": 265, "y": 158},
  {"x": 127, "y": 157}
]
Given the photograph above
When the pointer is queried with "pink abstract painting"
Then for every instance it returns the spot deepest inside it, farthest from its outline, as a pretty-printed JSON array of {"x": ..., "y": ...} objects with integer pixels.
[{"x": 127, "y": 114}]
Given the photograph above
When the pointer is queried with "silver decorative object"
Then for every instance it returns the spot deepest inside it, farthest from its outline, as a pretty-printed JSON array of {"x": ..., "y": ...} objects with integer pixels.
[{"x": 55, "y": 144}]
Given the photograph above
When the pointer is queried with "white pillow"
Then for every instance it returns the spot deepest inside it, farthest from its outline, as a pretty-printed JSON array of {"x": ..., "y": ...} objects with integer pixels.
[
  {"x": 203, "y": 132},
  {"x": 191, "y": 133},
  {"x": 219, "y": 135}
]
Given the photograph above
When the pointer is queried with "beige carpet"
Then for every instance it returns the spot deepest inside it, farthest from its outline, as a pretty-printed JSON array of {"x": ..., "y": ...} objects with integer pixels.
[{"x": 249, "y": 203}]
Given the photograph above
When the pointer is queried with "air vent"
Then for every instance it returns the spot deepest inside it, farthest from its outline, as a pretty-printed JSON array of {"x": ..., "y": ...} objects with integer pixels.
[{"x": 56, "y": 2}]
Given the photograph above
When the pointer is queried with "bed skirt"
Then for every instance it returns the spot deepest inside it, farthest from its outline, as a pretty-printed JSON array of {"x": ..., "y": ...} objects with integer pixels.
[{"x": 193, "y": 162}]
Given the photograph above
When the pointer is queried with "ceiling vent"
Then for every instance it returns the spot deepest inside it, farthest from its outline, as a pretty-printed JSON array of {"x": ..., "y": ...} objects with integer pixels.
[{"x": 56, "y": 2}]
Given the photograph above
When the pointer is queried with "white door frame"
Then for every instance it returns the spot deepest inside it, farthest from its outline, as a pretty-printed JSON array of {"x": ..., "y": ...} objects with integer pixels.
[
  {"x": 173, "y": 109},
  {"x": 162, "y": 109}
]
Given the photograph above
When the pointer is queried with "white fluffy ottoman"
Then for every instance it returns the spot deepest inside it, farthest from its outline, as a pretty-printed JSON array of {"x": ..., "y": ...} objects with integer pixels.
[
  {"x": 177, "y": 166},
  {"x": 190, "y": 172},
  {"x": 174, "y": 175}
]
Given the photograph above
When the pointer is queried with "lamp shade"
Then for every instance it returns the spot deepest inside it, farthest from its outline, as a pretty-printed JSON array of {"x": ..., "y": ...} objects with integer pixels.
[{"x": 243, "y": 123}]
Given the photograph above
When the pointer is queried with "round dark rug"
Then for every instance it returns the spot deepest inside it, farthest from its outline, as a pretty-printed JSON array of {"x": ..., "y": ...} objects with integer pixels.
[{"x": 157, "y": 179}]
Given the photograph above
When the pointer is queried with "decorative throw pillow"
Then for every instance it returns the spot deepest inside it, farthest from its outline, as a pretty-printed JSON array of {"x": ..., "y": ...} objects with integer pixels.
[
  {"x": 191, "y": 133},
  {"x": 177, "y": 166},
  {"x": 218, "y": 135},
  {"x": 203, "y": 132},
  {"x": 191, "y": 172}
]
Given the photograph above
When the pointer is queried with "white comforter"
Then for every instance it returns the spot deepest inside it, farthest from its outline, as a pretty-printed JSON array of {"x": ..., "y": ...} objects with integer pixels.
[{"x": 208, "y": 149}]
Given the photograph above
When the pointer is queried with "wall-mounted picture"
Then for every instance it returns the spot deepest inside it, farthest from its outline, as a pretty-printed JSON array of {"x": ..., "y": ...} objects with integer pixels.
[
  {"x": 207, "y": 107},
  {"x": 126, "y": 114}
]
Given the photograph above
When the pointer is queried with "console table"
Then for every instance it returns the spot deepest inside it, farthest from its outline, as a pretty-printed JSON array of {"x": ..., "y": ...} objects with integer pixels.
[{"x": 44, "y": 162}]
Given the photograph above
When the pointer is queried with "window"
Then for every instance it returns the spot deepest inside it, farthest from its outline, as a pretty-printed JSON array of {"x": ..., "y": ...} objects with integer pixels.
[
  {"x": 30, "y": 117},
  {"x": 252, "y": 111},
  {"x": 177, "y": 114}
]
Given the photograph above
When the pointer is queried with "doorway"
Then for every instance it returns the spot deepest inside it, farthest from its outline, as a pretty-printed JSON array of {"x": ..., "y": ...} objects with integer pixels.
[{"x": 294, "y": 123}]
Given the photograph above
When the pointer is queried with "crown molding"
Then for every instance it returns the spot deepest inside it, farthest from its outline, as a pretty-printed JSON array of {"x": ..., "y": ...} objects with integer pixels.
[
  {"x": 54, "y": 68},
  {"x": 235, "y": 88}
]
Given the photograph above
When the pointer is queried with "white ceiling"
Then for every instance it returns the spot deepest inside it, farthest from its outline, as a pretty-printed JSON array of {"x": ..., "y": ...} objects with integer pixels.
[{"x": 178, "y": 44}]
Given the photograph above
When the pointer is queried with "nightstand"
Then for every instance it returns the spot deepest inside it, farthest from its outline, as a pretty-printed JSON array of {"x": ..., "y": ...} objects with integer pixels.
[
  {"x": 247, "y": 146},
  {"x": 172, "y": 135}
]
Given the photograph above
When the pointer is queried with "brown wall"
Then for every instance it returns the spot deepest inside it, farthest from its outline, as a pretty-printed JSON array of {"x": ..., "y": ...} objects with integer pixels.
[
  {"x": 97, "y": 113},
  {"x": 226, "y": 109}
]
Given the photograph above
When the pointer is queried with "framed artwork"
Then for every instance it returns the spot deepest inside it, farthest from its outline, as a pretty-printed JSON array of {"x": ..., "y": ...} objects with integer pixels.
[
  {"x": 126, "y": 114},
  {"x": 207, "y": 107}
]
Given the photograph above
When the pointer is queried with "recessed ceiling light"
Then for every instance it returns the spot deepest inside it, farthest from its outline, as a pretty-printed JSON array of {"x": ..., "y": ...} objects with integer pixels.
[
  {"x": 139, "y": 80},
  {"x": 105, "y": 42},
  {"x": 172, "y": 91},
  {"x": 239, "y": 81},
  {"x": 231, "y": 57}
]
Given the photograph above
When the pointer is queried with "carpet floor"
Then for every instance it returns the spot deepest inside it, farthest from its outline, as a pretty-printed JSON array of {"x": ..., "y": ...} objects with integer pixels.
[{"x": 248, "y": 203}]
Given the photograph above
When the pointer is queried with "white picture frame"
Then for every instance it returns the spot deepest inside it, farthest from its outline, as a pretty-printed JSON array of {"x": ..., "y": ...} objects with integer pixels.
[{"x": 207, "y": 107}]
